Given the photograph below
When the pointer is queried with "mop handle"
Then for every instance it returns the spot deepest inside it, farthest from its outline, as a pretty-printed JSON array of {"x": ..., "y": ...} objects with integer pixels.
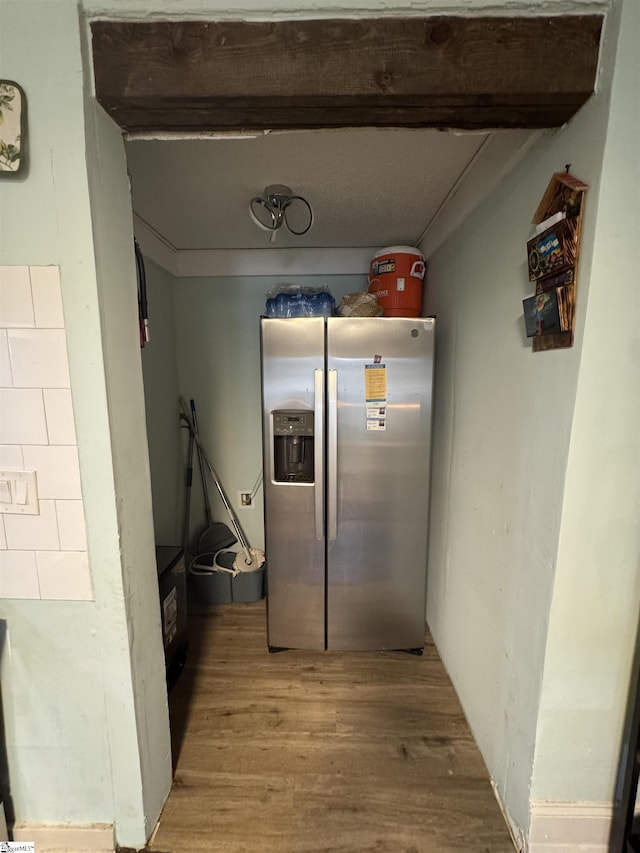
[
  {"x": 205, "y": 493},
  {"x": 214, "y": 476},
  {"x": 188, "y": 482}
]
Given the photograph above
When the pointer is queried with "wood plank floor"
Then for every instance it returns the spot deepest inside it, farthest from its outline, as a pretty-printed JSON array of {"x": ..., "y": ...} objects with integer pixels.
[{"x": 302, "y": 752}]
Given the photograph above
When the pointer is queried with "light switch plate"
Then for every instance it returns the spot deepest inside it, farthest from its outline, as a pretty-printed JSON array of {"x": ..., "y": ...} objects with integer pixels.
[{"x": 21, "y": 487}]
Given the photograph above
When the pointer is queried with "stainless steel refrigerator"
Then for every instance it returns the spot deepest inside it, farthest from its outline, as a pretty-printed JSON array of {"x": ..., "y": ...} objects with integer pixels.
[{"x": 346, "y": 440}]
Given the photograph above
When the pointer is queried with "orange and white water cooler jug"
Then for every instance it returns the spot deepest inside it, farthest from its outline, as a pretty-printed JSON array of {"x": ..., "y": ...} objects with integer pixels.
[{"x": 396, "y": 276}]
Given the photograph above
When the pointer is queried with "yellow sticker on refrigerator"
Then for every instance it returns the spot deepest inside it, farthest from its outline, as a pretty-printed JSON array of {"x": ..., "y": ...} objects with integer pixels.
[
  {"x": 375, "y": 388},
  {"x": 375, "y": 382}
]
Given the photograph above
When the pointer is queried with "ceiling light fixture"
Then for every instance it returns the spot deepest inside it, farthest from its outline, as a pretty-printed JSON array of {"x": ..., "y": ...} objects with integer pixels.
[{"x": 276, "y": 207}]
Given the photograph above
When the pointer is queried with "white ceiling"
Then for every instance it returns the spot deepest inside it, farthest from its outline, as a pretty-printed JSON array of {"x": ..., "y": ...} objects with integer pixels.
[{"x": 367, "y": 187}]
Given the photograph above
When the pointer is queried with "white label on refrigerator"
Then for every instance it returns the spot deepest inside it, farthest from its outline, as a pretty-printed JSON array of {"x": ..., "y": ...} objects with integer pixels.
[
  {"x": 377, "y": 410},
  {"x": 375, "y": 383},
  {"x": 377, "y": 416}
]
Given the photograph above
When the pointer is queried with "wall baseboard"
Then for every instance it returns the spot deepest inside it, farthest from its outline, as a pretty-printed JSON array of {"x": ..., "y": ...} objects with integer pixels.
[
  {"x": 517, "y": 835},
  {"x": 65, "y": 837},
  {"x": 569, "y": 827}
]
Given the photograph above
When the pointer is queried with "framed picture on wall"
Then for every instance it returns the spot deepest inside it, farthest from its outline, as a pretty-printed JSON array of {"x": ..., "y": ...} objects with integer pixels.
[
  {"x": 12, "y": 128},
  {"x": 546, "y": 313},
  {"x": 553, "y": 250}
]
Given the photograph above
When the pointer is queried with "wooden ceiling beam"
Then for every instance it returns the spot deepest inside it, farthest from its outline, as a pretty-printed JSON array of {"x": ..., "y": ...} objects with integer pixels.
[{"x": 473, "y": 72}]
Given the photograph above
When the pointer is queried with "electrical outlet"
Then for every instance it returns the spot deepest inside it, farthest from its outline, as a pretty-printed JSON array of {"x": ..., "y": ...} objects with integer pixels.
[{"x": 246, "y": 500}]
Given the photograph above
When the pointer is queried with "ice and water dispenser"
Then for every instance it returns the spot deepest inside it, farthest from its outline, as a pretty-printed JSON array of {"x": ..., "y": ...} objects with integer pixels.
[{"x": 293, "y": 446}]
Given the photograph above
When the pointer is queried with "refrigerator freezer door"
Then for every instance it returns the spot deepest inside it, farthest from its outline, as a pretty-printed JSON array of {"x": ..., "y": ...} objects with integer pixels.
[
  {"x": 293, "y": 381},
  {"x": 376, "y": 566}
]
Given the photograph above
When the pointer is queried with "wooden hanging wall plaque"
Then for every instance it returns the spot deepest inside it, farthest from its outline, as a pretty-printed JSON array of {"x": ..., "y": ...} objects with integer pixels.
[
  {"x": 552, "y": 255},
  {"x": 12, "y": 130}
]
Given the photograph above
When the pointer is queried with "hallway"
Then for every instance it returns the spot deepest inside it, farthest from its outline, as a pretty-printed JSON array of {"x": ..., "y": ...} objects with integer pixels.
[{"x": 308, "y": 751}]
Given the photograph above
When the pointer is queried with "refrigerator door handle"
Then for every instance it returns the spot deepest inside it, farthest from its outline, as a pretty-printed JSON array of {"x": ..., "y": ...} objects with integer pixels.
[
  {"x": 332, "y": 452},
  {"x": 318, "y": 451}
]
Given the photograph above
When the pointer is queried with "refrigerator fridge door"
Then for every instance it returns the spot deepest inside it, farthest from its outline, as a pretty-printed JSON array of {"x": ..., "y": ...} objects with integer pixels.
[
  {"x": 378, "y": 453},
  {"x": 293, "y": 404}
]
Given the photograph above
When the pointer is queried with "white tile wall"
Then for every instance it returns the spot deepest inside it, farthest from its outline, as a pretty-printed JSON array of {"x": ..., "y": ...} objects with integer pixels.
[
  {"x": 22, "y": 419},
  {"x": 39, "y": 358},
  {"x": 11, "y": 457},
  {"x": 64, "y": 575},
  {"x": 33, "y": 532},
  {"x": 16, "y": 304},
  {"x": 57, "y": 470},
  {"x": 71, "y": 525},
  {"x": 6, "y": 377},
  {"x": 18, "y": 575},
  {"x": 41, "y": 556},
  {"x": 59, "y": 414},
  {"x": 47, "y": 297}
]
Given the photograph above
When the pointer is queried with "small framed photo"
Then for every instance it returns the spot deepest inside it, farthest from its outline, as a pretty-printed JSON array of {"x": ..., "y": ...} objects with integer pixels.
[
  {"x": 547, "y": 313},
  {"x": 554, "y": 250},
  {"x": 12, "y": 128}
]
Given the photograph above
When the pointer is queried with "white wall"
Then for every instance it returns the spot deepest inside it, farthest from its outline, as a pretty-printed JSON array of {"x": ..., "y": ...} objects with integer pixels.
[
  {"x": 504, "y": 422},
  {"x": 161, "y": 392},
  {"x": 596, "y": 594},
  {"x": 141, "y": 754},
  {"x": 44, "y": 555},
  {"x": 84, "y": 688},
  {"x": 59, "y": 764},
  {"x": 73, "y": 700},
  {"x": 218, "y": 344}
]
